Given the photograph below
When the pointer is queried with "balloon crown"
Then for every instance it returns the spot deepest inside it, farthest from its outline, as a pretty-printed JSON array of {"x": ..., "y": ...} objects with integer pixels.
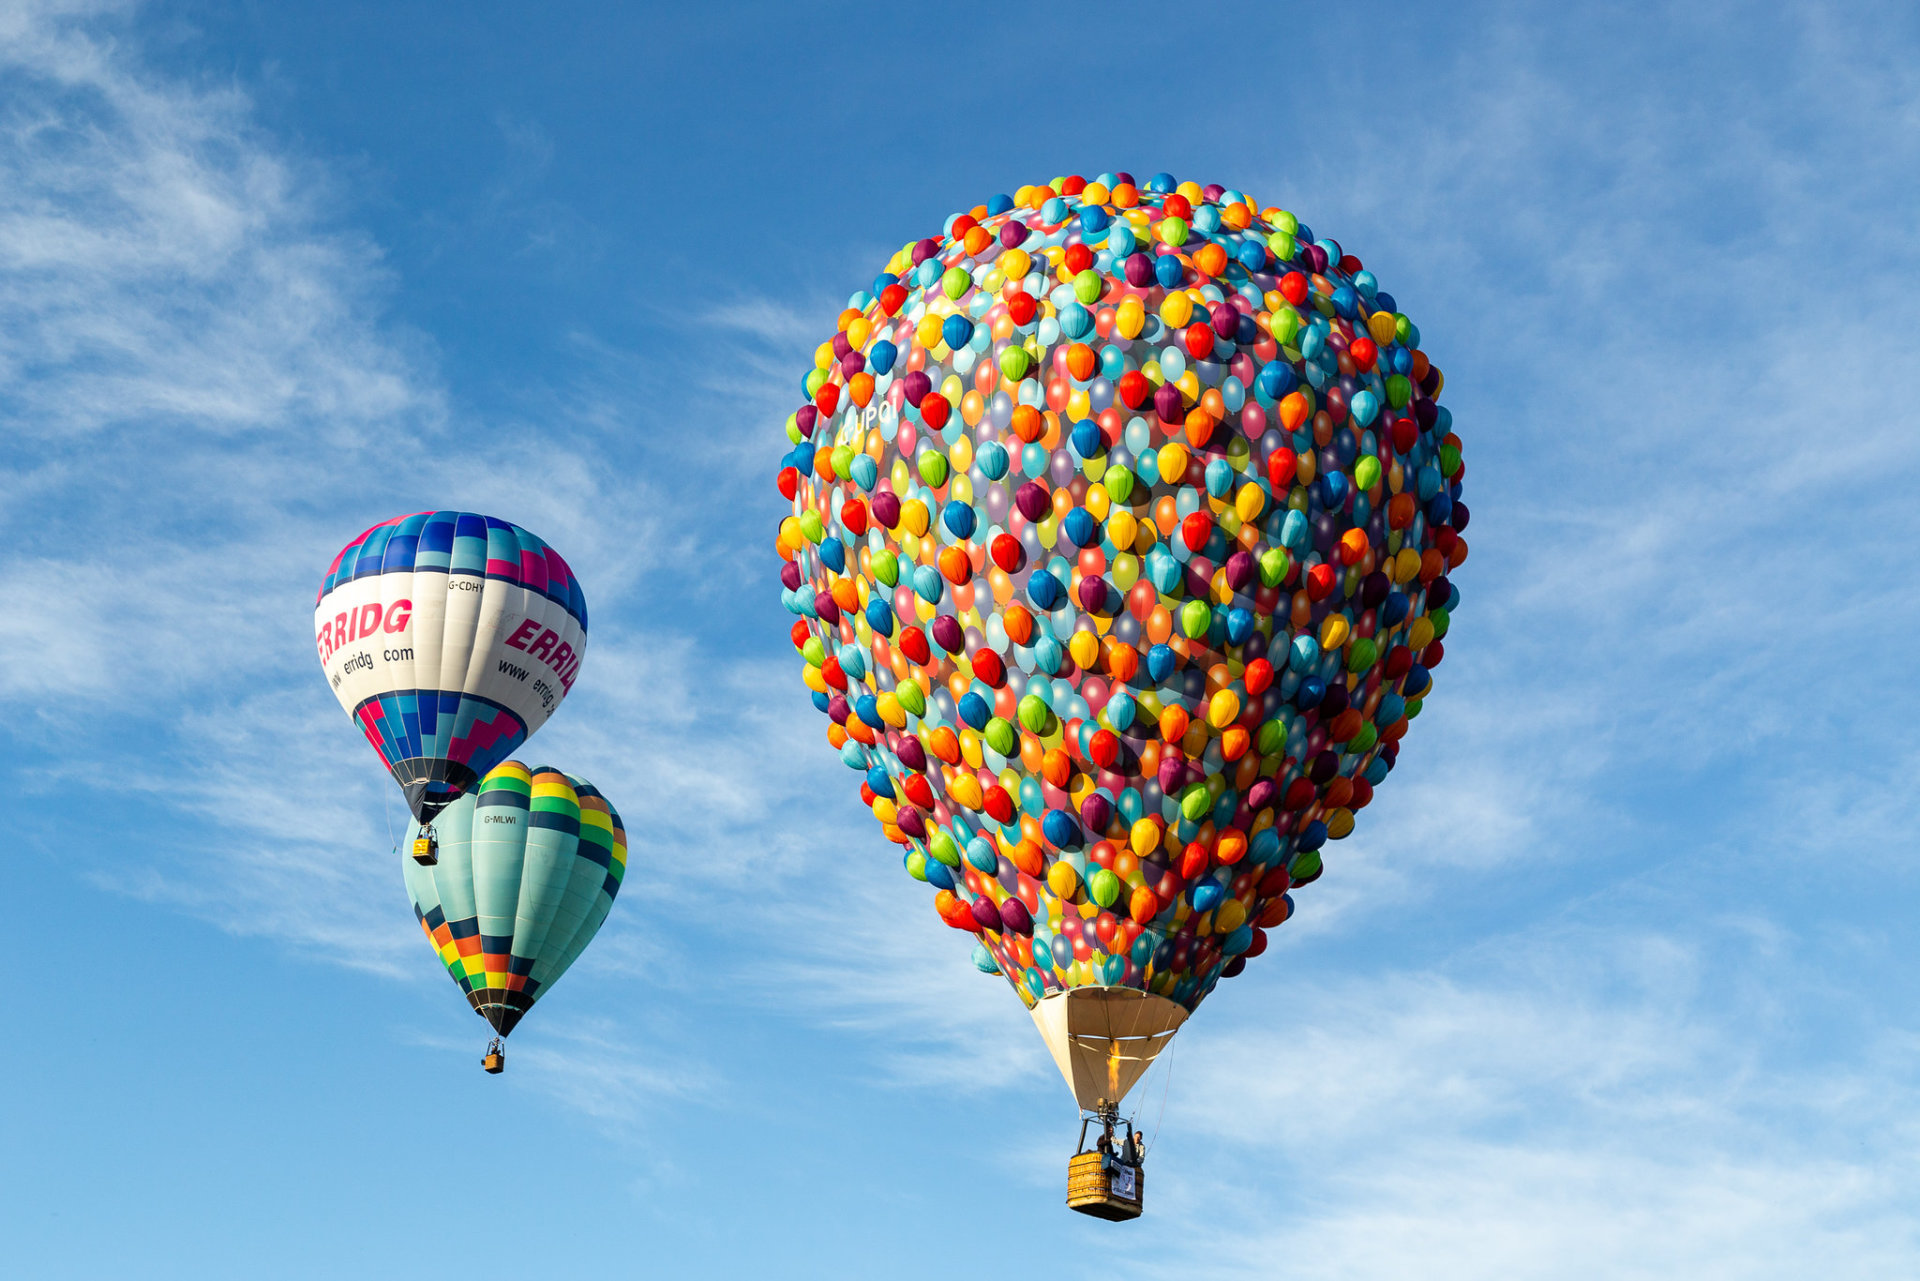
[{"x": 1123, "y": 520}]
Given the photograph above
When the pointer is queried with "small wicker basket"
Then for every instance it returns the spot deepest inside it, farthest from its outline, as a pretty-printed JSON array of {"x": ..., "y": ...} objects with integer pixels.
[{"x": 1104, "y": 1188}]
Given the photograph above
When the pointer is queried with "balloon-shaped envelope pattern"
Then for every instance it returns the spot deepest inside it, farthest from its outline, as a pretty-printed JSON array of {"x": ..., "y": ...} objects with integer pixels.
[
  {"x": 1123, "y": 529},
  {"x": 530, "y": 862},
  {"x": 449, "y": 637}
]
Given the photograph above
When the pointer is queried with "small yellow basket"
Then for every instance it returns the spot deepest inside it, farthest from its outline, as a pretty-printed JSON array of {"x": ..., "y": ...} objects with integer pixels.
[{"x": 1105, "y": 1188}]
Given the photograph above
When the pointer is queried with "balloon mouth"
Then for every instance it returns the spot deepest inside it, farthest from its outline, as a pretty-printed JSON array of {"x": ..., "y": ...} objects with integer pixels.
[
  {"x": 502, "y": 1008},
  {"x": 431, "y": 784}
]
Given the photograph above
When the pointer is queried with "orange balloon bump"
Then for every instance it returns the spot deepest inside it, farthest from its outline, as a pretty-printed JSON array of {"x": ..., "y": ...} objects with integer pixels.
[
  {"x": 1143, "y": 906},
  {"x": 1231, "y": 847},
  {"x": 1173, "y": 724},
  {"x": 1018, "y": 623},
  {"x": 1081, "y": 362},
  {"x": 1234, "y": 742},
  {"x": 1293, "y": 411},
  {"x": 1122, "y": 660},
  {"x": 944, "y": 744},
  {"x": 1029, "y": 858},
  {"x": 1056, "y": 767},
  {"x": 1027, "y": 423},
  {"x": 955, "y": 565}
]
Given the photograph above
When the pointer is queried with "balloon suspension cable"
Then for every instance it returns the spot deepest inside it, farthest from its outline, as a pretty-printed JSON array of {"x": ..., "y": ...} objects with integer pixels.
[
  {"x": 1166, "y": 1088},
  {"x": 386, "y": 809}
]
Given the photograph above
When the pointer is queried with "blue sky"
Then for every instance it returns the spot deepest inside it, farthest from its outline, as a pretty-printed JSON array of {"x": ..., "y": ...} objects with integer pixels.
[{"x": 1614, "y": 979}]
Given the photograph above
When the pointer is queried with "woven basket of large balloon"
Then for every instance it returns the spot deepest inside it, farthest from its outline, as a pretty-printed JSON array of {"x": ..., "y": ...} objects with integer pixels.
[{"x": 1105, "y": 1189}]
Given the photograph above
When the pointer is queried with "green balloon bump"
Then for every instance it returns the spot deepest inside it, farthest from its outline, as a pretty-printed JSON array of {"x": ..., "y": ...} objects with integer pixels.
[
  {"x": 943, "y": 848},
  {"x": 911, "y": 697},
  {"x": 933, "y": 468}
]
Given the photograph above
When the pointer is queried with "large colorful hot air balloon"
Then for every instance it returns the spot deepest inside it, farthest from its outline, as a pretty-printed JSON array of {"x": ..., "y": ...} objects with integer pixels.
[
  {"x": 449, "y": 638},
  {"x": 1123, "y": 518},
  {"x": 530, "y": 862}
]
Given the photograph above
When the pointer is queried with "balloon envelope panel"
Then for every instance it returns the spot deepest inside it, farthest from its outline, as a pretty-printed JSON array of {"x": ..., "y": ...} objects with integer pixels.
[
  {"x": 1122, "y": 522},
  {"x": 530, "y": 863},
  {"x": 449, "y": 637}
]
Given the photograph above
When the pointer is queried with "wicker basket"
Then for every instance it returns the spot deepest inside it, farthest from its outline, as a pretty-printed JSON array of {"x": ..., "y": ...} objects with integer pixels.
[
  {"x": 1101, "y": 1190},
  {"x": 426, "y": 851},
  {"x": 494, "y": 1063}
]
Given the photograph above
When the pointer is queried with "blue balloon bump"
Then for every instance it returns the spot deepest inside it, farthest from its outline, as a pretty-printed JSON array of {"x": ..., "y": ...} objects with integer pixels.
[
  {"x": 1081, "y": 529},
  {"x": 955, "y": 330},
  {"x": 1160, "y": 663},
  {"x": 1061, "y": 830}
]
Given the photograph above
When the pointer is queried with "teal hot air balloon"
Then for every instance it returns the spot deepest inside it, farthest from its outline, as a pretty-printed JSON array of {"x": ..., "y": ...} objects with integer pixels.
[{"x": 530, "y": 861}]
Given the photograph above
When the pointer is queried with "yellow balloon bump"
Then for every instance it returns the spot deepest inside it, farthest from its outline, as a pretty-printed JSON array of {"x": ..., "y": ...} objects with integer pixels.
[
  {"x": 1420, "y": 635},
  {"x": 1096, "y": 502},
  {"x": 1380, "y": 325},
  {"x": 1063, "y": 881},
  {"x": 1333, "y": 632},
  {"x": 1130, "y": 318},
  {"x": 1144, "y": 838},
  {"x": 1249, "y": 502},
  {"x": 1173, "y": 459},
  {"x": 1084, "y": 648},
  {"x": 884, "y": 810},
  {"x": 858, "y": 332},
  {"x": 1406, "y": 564},
  {"x": 913, "y": 517},
  {"x": 1229, "y": 916},
  {"x": 927, "y": 334},
  {"x": 1121, "y": 528},
  {"x": 890, "y": 710},
  {"x": 965, "y": 791},
  {"x": 1176, "y": 309},
  {"x": 1223, "y": 709},
  {"x": 1016, "y": 263},
  {"x": 1339, "y": 824}
]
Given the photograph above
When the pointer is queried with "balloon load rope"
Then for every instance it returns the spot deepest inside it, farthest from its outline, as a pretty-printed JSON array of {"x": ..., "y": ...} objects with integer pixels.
[{"x": 1166, "y": 1088}]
